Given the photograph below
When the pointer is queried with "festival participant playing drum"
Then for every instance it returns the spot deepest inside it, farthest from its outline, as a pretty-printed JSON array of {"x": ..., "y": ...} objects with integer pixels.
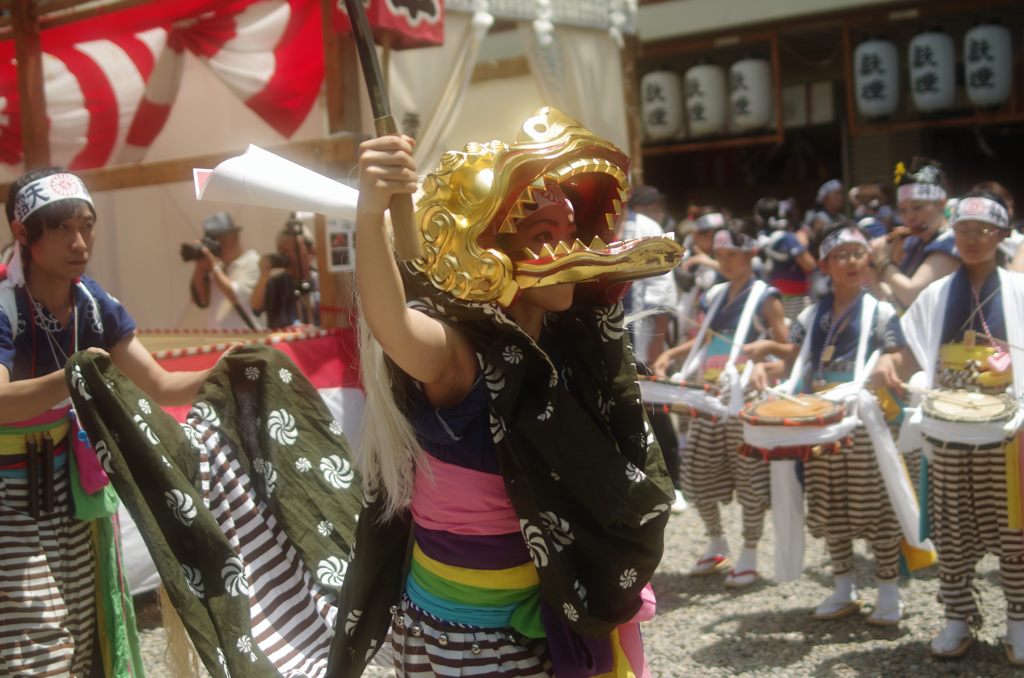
[
  {"x": 966, "y": 332},
  {"x": 922, "y": 251},
  {"x": 512, "y": 462},
  {"x": 846, "y": 496},
  {"x": 744, "y": 320},
  {"x": 59, "y": 560}
]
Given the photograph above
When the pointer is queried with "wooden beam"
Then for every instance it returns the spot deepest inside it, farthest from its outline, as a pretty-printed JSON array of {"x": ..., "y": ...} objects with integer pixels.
[
  {"x": 634, "y": 118},
  {"x": 713, "y": 145},
  {"x": 35, "y": 126},
  {"x": 325, "y": 155},
  {"x": 513, "y": 67},
  {"x": 68, "y": 14}
]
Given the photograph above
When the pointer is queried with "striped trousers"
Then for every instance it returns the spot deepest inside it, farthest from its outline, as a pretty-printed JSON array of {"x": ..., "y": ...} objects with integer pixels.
[
  {"x": 792, "y": 306},
  {"x": 712, "y": 470},
  {"x": 847, "y": 500},
  {"x": 47, "y": 586},
  {"x": 967, "y": 508}
]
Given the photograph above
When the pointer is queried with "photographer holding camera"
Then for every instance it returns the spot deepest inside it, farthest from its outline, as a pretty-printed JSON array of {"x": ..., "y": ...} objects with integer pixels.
[
  {"x": 224, "y": 275},
  {"x": 287, "y": 287}
]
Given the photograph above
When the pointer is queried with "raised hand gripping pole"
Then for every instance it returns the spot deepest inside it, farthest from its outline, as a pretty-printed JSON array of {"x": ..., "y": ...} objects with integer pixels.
[{"x": 407, "y": 237}]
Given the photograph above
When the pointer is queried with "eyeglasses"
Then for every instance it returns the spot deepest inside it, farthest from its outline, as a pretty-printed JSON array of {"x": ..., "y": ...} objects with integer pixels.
[
  {"x": 975, "y": 232},
  {"x": 848, "y": 255}
]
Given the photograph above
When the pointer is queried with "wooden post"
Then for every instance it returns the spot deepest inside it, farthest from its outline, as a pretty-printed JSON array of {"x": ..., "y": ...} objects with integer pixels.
[
  {"x": 634, "y": 123},
  {"x": 342, "y": 83},
  {"x": 35, "y": 126}
]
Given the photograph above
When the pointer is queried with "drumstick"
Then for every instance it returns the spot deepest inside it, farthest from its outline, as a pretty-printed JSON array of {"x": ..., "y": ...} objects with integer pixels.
[
  {"x": 1001, "y": 341},
  {"x": 786, "y": 396},
  {"x": 938, "y": 395}
]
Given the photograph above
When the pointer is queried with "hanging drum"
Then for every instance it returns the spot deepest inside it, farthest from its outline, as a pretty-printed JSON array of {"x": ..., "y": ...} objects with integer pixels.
[
  {"x": 988, "y": 64},
  {"x": 704, "y": 87},
  {"x": 876, "y": 78},
  {"x": 750, "y": 93},
  {"x": 661, "y": 97},
  {"x": 932, "y": 65}
]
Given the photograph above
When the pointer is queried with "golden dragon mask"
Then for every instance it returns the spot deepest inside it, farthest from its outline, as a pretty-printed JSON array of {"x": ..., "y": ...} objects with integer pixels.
[{"x": 482, "y": 192}]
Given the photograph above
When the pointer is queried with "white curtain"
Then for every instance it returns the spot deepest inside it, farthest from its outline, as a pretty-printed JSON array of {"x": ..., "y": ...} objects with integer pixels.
[
  {"x": 427, "y": 84},
  {"x": 580, "y": 72}
]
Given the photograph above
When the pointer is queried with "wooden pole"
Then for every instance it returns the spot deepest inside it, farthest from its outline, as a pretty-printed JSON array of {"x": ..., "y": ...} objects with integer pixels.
[
  {"x": 634, "y": 123},
  {"x": 341, "y": 82},
  {"x": 35, "y": 126}
]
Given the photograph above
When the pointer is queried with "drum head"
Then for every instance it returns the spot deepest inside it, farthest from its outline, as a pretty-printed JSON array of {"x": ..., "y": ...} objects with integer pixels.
[
  {"x": 968, "y": 407},
  {"x": 810, "y": 411}
]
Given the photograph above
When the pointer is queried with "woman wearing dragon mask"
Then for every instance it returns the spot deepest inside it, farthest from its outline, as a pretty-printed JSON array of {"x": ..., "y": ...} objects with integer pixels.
[{"x": 515, "y": 496}]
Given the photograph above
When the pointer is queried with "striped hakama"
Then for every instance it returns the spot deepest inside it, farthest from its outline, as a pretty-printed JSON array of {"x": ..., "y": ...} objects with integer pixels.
[
  {"x": 792, "y": 306},
  {"x": 847, "y": 500},
  {"x": 47, "y": 585},
  {"x": 968, "y": 511},
  {"x": 713, "y": 469}
]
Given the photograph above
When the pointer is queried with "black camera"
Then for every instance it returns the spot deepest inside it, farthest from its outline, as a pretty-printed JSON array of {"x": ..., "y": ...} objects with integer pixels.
[
  {"x": 191, "y": 251},
  {"x": 278, "y": 260}
]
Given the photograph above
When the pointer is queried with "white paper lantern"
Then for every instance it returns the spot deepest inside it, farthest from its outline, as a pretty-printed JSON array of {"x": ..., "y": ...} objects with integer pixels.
[
  {"x": 876, "y": 78},
  {"x": 932, "y": 65},
  {"x": 705, "y": 99},
  {"x": 750, "y": 93},
  {"x": 661, "y": 104},
  {"x": 988, "y": 64}
]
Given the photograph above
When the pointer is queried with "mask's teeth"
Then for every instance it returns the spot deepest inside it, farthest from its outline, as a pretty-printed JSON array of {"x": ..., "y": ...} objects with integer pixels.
[
  {"x": 611, "y": 220},
  {"x": 598, "y": 244},
  {"x": 623, "y": 194},
  {"x": 561, "y": 249},
  {"x": 546, "y": 251},
  {"x": 578, "y": 246},
  {"x": 617, "y": 206},
  {"x": 528, "y": 253},
  {"x": 507, "y": 226}
]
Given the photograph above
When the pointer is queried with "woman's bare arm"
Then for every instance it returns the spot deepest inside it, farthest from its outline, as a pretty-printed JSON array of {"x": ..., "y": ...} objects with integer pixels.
[{"x": 429, "y": 351}]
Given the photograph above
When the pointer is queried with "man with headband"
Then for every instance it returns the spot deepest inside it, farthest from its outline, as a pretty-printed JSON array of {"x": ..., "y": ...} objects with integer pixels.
[
  {"x": 59, "y": 555},
  {"x": 964, "y": 333},
  {"x": 846, "y": 496},
  {"x": 829, "y": 200},
  {"x": 744, "y": 320},
  {"x": 922, "y": 250}
]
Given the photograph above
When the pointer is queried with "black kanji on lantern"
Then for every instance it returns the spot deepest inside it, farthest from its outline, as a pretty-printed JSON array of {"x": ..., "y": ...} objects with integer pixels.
[
  {"x": 741, "y": 106},
  {"x": 923, "y": 56},
  {"x": 697, "y": 112},
  {"x": 657, "y": 116},
  {"x": 873, "y": 90},
  {"x": 983, "y": 78},
  {"x": 928, "y": 82},
  {"x": 871, "y": 63},
  {"x": 738, "y": 82},
  {"x": 652, "y": 93},
  {"x": 693, "y": 88},
  {"x": 978, "y": 50}
]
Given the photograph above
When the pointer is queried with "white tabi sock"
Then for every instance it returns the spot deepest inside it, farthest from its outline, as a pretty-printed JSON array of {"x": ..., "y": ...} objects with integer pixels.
[
  {"x": 845, "y": 593},
  {"x": 951, "y": 636},
  {"x": 747, "y": 561},
  {"x": 718, "y": 546},
  {"x": 889, "y": 607},
  {"x": 1015, "y": 637}
]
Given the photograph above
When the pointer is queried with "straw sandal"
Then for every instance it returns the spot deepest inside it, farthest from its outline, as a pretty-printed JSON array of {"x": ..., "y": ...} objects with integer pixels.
[{"x": 710, "y": 565}]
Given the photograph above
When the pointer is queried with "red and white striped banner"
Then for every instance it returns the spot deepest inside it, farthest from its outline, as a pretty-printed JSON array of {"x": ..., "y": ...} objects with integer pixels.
[{"x": 111, "y": 80}]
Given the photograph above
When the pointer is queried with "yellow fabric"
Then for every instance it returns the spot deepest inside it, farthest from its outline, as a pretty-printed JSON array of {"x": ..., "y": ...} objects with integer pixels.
[
  {"x": 890, "y": 408},
  {"x": 917, "y": 559},
  {"x": 1013, "y": 500},
  {"x": 519, "y": 577},
  {"x": 14, "y": 443},
  {"x": 621, "y": 668},
  {"x": 955, "y": 356}
]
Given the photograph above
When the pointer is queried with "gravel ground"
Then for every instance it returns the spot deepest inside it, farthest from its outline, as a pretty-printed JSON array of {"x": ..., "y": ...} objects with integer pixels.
[{"x": 705, "y": 630}]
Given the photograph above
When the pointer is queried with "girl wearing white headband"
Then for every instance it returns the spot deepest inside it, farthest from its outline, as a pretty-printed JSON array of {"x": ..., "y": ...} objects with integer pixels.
[
  {"x": 964, "y": 332},
  {"x": 49, "y": 310},
  {"x": 923, "y": 250},
  {"x": 743, "y": 311},
  {"x": 846, "y": 496}
]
